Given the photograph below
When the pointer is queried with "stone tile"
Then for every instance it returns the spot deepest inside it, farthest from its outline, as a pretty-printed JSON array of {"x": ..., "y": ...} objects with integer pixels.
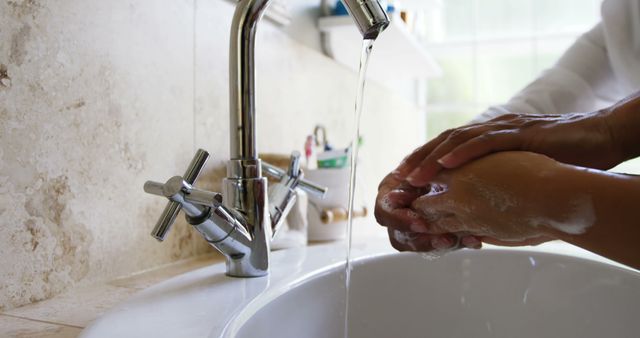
[
  {"x": 12, "y": 327},
  {"x": 99, "y": 100},
  {"x": 146, "y": 279},
  {"x": 77, "y": 307}
]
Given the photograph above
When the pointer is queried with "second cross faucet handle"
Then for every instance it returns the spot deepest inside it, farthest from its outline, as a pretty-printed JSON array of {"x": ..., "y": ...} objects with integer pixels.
[
  {"x": 294, "y": 172},
  {"x": 282, "y": 195},
  {"x": 172, "y": 209}
]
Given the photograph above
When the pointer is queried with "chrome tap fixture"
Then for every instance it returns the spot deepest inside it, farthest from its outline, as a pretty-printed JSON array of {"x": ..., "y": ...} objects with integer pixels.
[
  {"x": 241, "y": 221},
  {"x": 241, "y": 233},
  {"x": 369, "y": 16}
]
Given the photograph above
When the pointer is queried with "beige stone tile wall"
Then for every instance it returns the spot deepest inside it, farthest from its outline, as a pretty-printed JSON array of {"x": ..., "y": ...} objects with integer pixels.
[
  {"x": 24, "y": 328},
  {"x": 67, "y": 314},
  {"x": 97, "y": 97}
]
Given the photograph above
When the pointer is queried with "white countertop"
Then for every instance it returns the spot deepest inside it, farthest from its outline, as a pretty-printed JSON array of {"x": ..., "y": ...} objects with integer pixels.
[{"x": 202, "y": 302}]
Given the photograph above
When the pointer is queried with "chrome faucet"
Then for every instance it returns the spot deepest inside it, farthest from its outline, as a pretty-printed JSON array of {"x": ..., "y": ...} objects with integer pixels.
[{"x": 241, "y": 221}]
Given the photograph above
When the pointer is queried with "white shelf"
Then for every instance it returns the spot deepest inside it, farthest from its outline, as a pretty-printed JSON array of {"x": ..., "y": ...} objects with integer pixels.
[
  {"x": 421, "y": 4},
  {"x": 397, "y": 55}
]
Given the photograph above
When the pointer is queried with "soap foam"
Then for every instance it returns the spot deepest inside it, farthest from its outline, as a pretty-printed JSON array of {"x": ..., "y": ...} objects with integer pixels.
[
  {"x": 386, "y": 203},
  {"x": 499, "y": 199},
  {"x": 577, "y": 222},
  {"x": 404, "y": 237},
  {"x": 437, "y": 253},
  {"x": 407, "y": 238}
]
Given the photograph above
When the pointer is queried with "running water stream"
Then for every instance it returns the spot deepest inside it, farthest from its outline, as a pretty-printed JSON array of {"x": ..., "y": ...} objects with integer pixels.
[{"x": 367, "y": 46}]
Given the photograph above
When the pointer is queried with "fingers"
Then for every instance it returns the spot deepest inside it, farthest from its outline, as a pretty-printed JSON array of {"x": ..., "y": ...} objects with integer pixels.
[
  {"x": 455, "y": 147},
  {"x": 409, "y": 230},
  {"x": 479, "y": 146},
  {"x": 409, "y": 241},
  {"x": 439, "y": 210},
  {"x": 525, "y": 242},
  {"x": 471, "y": 242},
  {"x": 418, "y": 242},
  {"x": 388, "y": 183},
  {"x": 429, "y": 166},
  {"x": 445, "y": 241},
  {"x": 393, "y": 210},
  {"x": 415, "y": 158}
]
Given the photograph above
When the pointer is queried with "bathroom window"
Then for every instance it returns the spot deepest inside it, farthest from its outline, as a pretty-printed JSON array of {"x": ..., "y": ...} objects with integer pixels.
[{"x": 490, "y": 49}]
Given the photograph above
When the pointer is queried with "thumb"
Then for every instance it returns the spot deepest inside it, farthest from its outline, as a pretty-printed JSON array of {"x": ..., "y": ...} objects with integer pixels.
[
  {"x": 436, "y": 201},
  {"x": 439, "y": 213}
]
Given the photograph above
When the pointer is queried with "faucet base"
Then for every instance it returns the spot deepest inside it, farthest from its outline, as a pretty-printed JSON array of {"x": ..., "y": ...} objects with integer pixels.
[
  {"x": 249, "y": 197},
  {"x": 244, "y": 268}
]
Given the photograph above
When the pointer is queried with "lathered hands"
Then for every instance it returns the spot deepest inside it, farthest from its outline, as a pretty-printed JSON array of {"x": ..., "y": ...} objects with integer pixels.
[
  {"x": 514, "y": 199},
  {"x": 405, "y": 225},
  {"x": 493, "y": 200},
  {"x": 600, "y": 139},
  {"x": 519, "y": 197}
]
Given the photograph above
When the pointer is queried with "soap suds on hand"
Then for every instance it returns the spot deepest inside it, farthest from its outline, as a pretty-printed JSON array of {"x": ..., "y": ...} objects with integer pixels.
[
  {"x": 435, "y": 254},
  {"x": 407, "y": 238},
  {"x": 500, "y": 200},
  {"x": 404, "y": 237},
  {"x": 581, "y": 217}
]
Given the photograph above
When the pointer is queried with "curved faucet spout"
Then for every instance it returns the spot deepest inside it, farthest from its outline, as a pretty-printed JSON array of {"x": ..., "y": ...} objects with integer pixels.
[
  {"x": 368, "y": 15},
  {"x": 239, "y": 221},
  {"x": 242, "y": 78}
]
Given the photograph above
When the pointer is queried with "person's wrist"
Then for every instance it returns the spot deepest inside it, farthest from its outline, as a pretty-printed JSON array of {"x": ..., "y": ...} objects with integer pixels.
[
  {"x": 559, "y": 187},
  {"x": 623, "y": 123}
]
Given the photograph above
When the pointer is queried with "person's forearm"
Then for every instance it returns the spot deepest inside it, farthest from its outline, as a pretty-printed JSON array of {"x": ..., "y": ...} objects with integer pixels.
[
  {"x": 624, "y": 121},
  {"x": 613, "y": 228}
]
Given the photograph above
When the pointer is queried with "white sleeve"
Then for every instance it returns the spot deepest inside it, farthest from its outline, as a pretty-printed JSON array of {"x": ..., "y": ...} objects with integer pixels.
[{"x": 581, "y": 80}]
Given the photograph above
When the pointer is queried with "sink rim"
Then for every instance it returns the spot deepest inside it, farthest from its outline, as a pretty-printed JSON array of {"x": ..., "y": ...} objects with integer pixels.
[
  {"x": 187, "y": 303},
  {"x": 236, "y": 323}
]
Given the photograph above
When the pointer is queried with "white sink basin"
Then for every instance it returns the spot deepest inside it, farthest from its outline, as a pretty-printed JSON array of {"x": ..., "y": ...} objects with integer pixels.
[{"x": 487, "y": 293}]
